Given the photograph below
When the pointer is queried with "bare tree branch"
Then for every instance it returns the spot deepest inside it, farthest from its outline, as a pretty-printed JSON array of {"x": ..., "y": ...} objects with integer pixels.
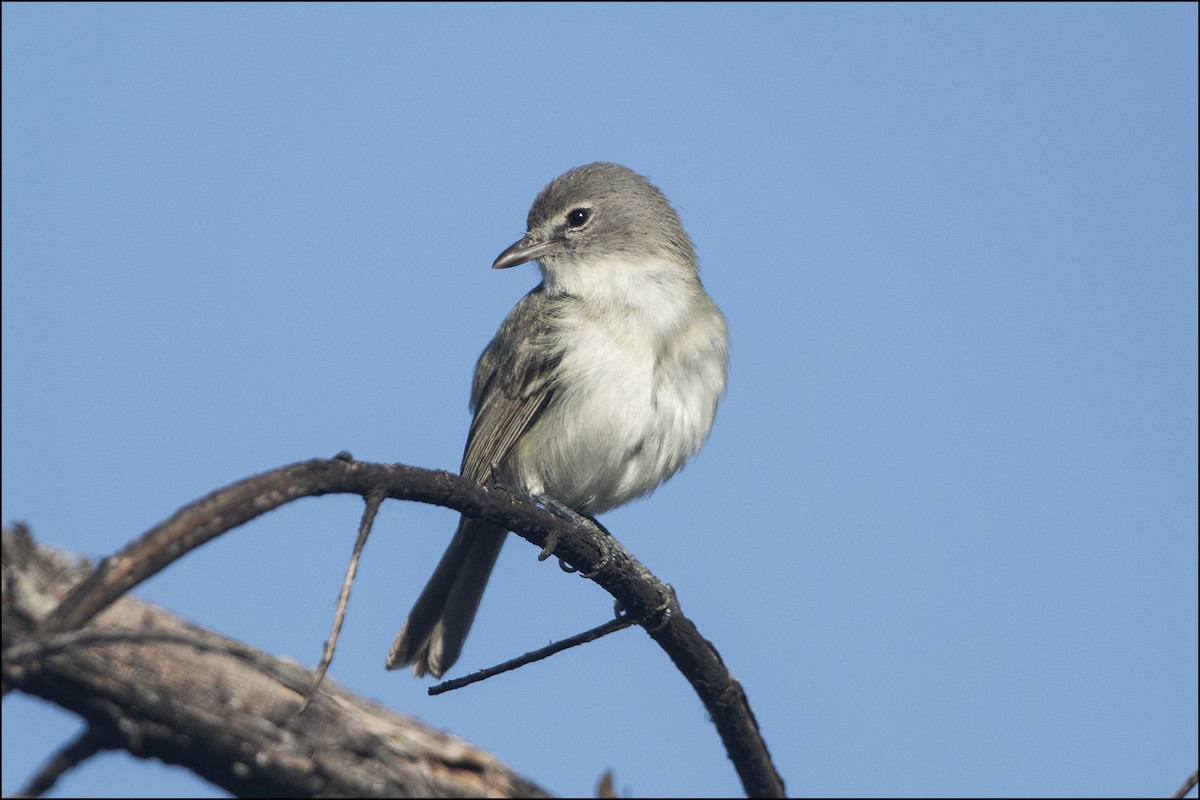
[
  {"x": 643, "y": 596},
  {"x": 147, "y": 682}
]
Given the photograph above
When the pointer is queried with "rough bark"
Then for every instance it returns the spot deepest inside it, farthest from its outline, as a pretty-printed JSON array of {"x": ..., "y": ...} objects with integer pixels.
[{"x": 147, "y": 682}]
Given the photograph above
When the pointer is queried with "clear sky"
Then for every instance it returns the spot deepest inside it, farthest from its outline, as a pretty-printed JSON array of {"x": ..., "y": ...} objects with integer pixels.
[{"x": 945, "y": 530}]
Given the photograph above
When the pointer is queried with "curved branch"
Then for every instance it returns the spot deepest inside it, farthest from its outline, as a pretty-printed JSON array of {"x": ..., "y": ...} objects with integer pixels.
[{"x": 641, "y": 594}]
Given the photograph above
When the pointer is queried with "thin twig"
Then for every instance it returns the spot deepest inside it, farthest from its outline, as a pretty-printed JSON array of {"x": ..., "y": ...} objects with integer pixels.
[
  {"x": 613, "y": 625},
  {"x": 48, "y": 645},
  {"x": 373, "y": 501},
  {"x": 1187, "y": 786},
  {"x": 88, "y": 743}
]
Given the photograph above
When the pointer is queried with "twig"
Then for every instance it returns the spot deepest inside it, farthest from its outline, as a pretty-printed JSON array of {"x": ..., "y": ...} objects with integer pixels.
[
  {"x": 373, "y": 501},
  {"x": 88, "y": 743},
  {"x": 47, "y": 645},
  {"x": 612, "y": 626},
  {"x": 1187, "y": 786}
]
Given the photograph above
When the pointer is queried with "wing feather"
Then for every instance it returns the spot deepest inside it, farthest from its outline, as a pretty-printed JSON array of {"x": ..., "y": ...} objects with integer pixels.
[{"x": 514, "y": 383}]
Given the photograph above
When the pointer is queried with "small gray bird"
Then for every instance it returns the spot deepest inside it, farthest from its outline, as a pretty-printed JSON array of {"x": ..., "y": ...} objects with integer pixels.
[{"x": 600, "y": 384}]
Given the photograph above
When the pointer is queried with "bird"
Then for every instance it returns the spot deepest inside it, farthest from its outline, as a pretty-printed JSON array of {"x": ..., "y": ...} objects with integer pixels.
[{"x": 600, "y": 384}]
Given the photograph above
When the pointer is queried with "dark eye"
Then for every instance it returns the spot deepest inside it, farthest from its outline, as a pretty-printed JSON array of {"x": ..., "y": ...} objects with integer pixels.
[{"x": 578, "y": 217}]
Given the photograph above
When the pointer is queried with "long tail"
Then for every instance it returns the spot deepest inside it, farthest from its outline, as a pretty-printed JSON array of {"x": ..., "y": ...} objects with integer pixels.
[{"x": 433, "y": 635}]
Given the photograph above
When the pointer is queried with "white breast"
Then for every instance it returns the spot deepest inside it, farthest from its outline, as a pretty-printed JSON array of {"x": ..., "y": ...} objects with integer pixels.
[{"x": 643, "y": 369}]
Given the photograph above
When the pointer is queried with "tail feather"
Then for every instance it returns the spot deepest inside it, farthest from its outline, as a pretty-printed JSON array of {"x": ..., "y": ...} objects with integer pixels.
[{"x": 432, "y": 637}]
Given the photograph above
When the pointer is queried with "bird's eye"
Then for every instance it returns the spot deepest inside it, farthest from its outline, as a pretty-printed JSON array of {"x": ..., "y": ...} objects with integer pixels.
[{"x": 578, "y": 217}]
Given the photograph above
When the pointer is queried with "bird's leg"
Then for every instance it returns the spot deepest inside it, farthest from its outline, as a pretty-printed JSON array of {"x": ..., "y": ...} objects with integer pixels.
[
  {"x": 664, "y": 612},
  {"x": 583, "y": 521}
]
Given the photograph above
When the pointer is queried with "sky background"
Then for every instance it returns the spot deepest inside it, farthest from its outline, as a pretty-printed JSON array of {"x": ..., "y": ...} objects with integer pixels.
[{"x": 945, "y": 529}]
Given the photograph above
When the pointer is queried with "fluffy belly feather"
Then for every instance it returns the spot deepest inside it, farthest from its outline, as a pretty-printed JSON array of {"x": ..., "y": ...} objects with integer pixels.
[{"x": 620, "y": 423}]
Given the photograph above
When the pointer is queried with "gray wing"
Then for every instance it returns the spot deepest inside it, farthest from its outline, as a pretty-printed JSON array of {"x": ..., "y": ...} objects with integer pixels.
[{"x": 514, "y": 382}]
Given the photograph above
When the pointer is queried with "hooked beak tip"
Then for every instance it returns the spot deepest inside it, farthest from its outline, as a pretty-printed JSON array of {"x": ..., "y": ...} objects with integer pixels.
[{"x": 528, "y": 248}]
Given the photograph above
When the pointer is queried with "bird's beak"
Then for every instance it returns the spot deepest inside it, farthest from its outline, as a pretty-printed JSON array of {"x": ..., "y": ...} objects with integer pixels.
[{"x": 528, "y": 248}]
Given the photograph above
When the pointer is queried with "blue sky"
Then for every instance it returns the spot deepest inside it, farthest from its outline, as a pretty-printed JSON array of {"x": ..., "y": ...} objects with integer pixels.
[{"x": 944, "y": 531}]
